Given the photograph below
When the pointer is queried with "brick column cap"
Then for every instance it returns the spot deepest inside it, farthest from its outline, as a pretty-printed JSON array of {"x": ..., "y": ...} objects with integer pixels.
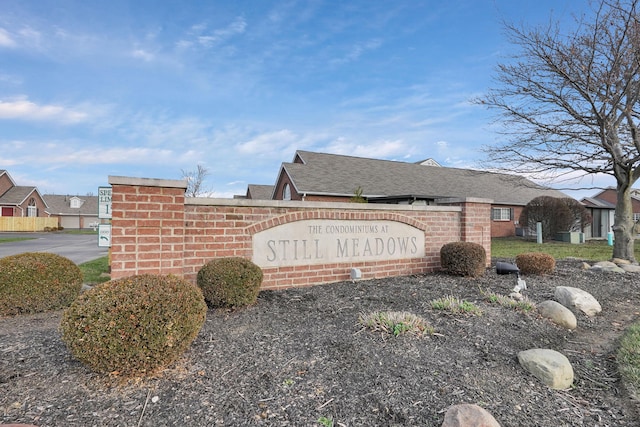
[{"x": 148, "y": 182}]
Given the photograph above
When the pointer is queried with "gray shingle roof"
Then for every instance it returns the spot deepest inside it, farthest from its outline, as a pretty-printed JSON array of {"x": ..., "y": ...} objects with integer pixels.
[
  {"x": 60, "y": 205},
  {"x": 260, "y": 192},
  {"x": 331, "y": 174},
  {"x": 16, "y": 195},
  {"x": 592, "y": 202}
]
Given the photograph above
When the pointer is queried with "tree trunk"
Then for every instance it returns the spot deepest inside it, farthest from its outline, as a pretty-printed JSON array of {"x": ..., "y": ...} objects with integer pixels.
[{"x": 623, "y": 246}]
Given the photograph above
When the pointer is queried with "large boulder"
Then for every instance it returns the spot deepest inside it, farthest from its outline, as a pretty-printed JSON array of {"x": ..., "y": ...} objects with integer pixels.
[
  {"x": 577, "y": 299},
  {"x": 468, "y": 415},
  {"x": 558, "y": 314},
  {"x": 549, "y": 366}
]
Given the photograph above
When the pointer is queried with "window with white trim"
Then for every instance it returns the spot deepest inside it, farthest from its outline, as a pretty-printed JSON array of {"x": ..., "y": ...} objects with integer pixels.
[
  {"x": 32, "y": 209},
  {"x": 75, "y": 203},
  {"x": 501, "y": 214},
  {"x": 636, "y": 216},
  {"x": 286, "y": 192}
]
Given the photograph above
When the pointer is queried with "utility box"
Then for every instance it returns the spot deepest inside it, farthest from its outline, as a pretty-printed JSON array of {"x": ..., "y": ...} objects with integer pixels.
[{"x": 570, "y": 237}]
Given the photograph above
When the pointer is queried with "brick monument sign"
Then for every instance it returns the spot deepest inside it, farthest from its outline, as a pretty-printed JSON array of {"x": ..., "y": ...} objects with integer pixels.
[{"x": 156, "y": 230}]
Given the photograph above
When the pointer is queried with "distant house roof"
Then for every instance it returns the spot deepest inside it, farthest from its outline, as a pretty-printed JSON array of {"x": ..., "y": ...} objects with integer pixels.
[
  {"x": 60, "y": 205},
  {"x": 337, "y": 175},
  {"x": 260, "y": 192},
  {"x": 592, "y": 202},
  {"x": 17, "y": 195}
]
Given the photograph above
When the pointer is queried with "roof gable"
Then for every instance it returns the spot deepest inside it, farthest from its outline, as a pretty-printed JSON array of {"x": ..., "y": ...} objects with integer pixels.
[
  {"x": 17, "y": 195},
  {"x": 259, "y": 192}
]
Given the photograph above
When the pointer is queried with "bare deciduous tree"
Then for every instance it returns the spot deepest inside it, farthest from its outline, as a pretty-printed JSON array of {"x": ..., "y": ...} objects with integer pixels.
[
  {"x": 195, "y": 181},
  {"x": 570, "y": 104}
]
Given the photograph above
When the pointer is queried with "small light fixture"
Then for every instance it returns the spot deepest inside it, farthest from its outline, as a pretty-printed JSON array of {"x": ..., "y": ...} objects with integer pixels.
[
  {"x": 507, "y": 268},
  {"x": 356, "y": 274}
]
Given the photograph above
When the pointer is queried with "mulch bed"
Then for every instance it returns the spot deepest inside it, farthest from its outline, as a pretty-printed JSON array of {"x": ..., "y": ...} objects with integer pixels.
[{"x": 300, "y": 354}]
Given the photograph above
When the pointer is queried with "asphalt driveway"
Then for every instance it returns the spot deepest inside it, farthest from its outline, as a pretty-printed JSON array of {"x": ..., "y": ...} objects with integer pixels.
[{"x": 78, "y": 248}]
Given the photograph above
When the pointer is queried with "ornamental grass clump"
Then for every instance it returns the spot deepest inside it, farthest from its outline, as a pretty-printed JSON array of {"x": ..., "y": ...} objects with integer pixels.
[
  {"x": 395, "y": 323},
  {"x": 463, "y": 259},
  {"x": 455, "y": 305},
  {"x": 134, "y": 326},
  {"x": 34, "y": 282},
  {"x": 230, "y": 282},
  {"x": 535, "y": 263},
  {"x": 524, "y": 304}
]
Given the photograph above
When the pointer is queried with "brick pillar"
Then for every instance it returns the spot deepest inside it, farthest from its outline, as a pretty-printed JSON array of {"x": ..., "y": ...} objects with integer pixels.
[
  {"x": 147, "y": 226},
  {"x": 476, "y": 223}
]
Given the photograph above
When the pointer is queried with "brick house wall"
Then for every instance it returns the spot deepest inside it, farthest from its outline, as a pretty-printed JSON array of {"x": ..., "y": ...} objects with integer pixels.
[
  {"x": 506, "y": 228},
  {"x": 5, "y": 183},
  {"x": 155, "y": 230}
]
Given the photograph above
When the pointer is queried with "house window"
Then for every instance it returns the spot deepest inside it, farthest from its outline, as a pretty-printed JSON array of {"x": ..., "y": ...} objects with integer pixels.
[
  {"x": 636, "y": 216},
  {"x": 32, "y": 209},
  {"x": 501, "y": 214},
  {"x": 286, "y": 192}
]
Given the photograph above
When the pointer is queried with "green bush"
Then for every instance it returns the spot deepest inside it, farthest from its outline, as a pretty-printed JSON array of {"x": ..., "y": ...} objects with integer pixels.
[
  {"x": 537, "y": 263},
  {"x": 33, "y": 282},
  {"x": 135, "y": 325},
  {"x": 230, "y": 282},
  {"x": 463, "y": 259}
]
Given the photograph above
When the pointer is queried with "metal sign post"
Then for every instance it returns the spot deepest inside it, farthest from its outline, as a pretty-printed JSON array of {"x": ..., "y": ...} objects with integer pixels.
[{"x": 104, "y": 212}]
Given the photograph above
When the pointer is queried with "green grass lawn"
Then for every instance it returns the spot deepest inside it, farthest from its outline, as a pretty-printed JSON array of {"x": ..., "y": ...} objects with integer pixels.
[
  {"x": 592, "y": 250},
  {"x": 13, "y": 239},
  {"x": 92, "y": 270}
]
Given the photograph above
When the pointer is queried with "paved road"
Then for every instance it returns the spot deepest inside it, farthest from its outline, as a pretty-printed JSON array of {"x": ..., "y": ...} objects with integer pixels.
[{"x": 78, "y": 248}]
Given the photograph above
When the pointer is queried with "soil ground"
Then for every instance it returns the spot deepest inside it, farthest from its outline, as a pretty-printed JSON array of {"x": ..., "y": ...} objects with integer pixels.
[{"x": 299, "y": 355}]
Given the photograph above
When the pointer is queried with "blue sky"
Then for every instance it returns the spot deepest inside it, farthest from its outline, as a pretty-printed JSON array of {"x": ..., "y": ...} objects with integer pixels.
[{"x": 147, "y": 88}]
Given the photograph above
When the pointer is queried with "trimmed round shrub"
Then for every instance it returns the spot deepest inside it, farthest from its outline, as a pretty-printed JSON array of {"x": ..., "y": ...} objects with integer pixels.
[
  {"x": 134, "y": 326},
  {"x": 537, "y": 263},
  {"x": 33, "y": 282},
  {"x": 230, "y": 282},
  {"x": 463, "y": 259}
]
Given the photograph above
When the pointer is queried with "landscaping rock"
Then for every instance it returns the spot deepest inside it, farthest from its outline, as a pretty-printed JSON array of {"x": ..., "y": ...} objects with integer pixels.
[
  {"x": 558, "y": 314},
  {"x": 468, "y": 415},
  {"x": 607, "y": 266},
  {"x": 630, "y": 268},
  {"x": 549, "y": 366},
  {"x": 574, "y": 298},
  {"x": 620, "y": 261}
]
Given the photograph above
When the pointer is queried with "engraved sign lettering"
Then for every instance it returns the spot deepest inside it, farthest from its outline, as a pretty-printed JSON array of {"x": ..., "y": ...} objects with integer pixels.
[{"x": 332, "y": 241}]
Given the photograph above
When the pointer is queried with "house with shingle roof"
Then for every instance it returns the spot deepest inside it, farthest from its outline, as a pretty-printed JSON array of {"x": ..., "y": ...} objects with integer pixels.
[
  {"x": 19, "y": 200},
  {"x": 315, "y": 176},
  {"x": 73, "y": 212}
]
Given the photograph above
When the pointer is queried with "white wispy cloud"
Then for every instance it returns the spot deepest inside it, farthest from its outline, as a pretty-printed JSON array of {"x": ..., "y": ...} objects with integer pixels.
[
  {"x": 200, "y": 35},
  {"x": 23, "y": 109},
  {"x": 357, "y": 50},
  {"x": 269, "y": 143},
  {"x": 6, "y": 40},
  {"x": 382, "y": 149},
  {"x": 143, "y": 54}
]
